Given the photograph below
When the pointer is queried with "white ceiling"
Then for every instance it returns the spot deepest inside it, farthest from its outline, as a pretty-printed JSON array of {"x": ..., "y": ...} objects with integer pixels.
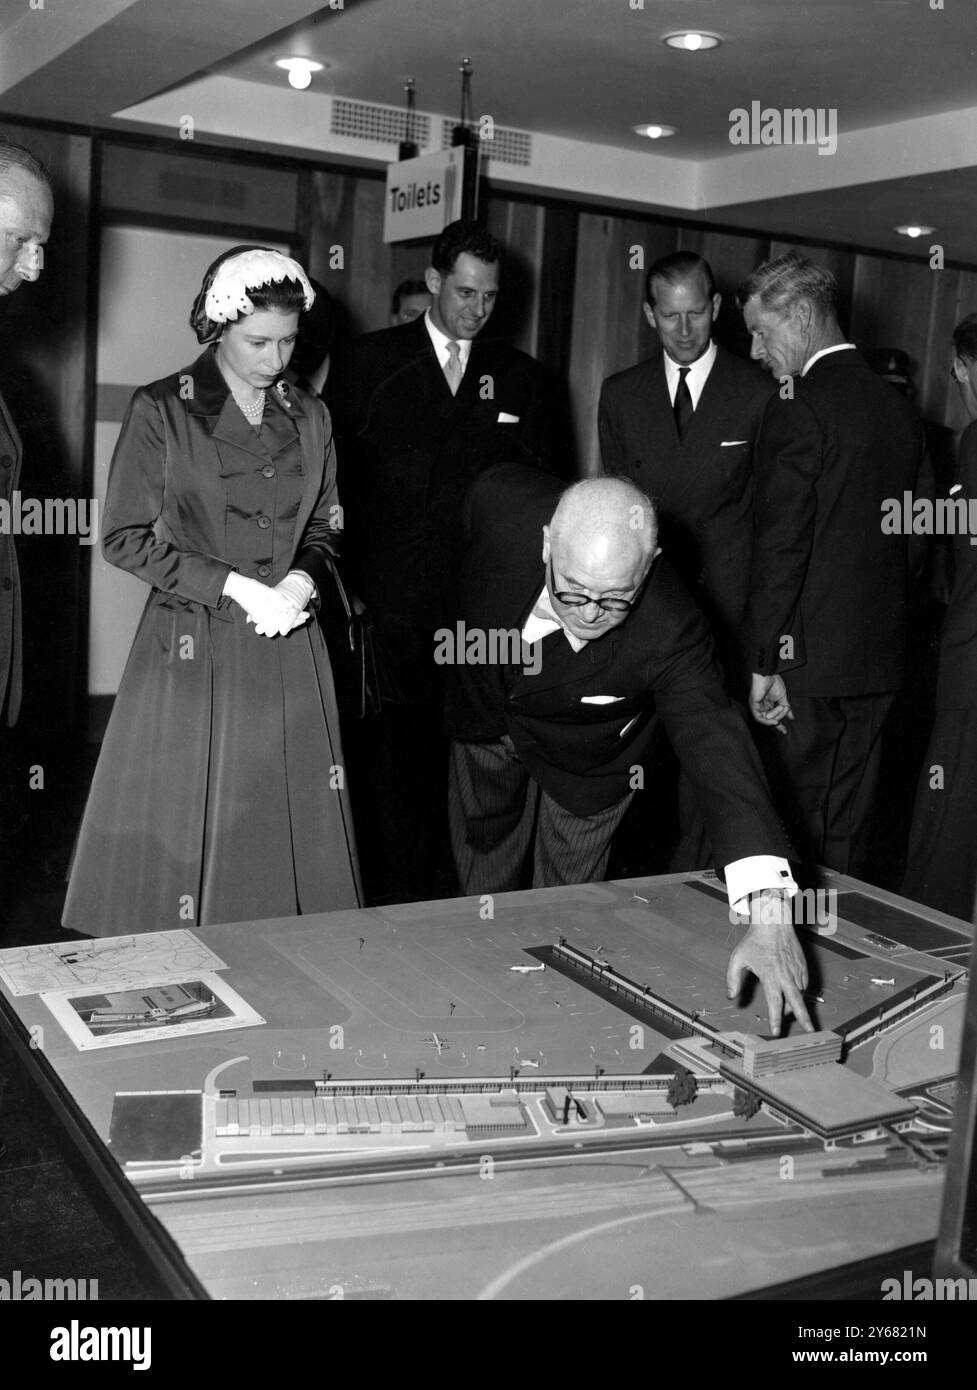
[
  {"x": 577, "y": 74},
  {"x": 591, "y": 69}
]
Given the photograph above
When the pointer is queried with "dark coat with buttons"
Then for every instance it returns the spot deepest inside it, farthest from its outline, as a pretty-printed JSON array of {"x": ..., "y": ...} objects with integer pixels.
[
  {"x": 220, "y": 793},
  {"x": 10, "y": 641}
]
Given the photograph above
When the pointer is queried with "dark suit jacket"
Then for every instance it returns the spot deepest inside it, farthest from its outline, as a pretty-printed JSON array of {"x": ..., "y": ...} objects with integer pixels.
[
  {"x": 703, "y": 484},
  {"x": 957, "y": 684},
  {"x": 408, "y": 452},
  {"x": 659, "y": 661},
  {"x": 824, "y": 574},
  {"x": 11, "y": 656}
]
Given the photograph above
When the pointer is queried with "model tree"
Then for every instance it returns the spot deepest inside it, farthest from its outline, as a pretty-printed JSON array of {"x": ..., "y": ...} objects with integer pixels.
[
  {"x": 682, "y": 1089},
  {"x": 745, "y": 1103}
]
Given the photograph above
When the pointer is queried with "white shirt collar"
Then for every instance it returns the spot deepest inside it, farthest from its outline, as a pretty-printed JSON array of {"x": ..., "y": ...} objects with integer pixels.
[
  {"x": 838, "y": 347},
  {"x": 698, "y": 373},
  {"x": 441, "y": 340},
  {"x": 543, "y": 620}
]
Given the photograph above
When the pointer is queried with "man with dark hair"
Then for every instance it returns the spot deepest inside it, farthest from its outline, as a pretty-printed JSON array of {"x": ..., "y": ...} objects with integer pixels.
[
  {"x": 410, "y": 300},
  {"x": 683, "y": 425},
  {"x": 828, "y": 588},
  {"x": 422, "y": 410}
]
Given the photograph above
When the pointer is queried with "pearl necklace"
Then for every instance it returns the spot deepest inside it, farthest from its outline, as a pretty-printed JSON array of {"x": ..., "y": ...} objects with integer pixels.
[{"x": 252, "y": 411}]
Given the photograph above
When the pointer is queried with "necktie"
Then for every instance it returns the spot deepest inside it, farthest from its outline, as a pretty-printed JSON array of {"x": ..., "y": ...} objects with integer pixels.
[
  {"x": 452, "y": 368},
  {"x": 682, "y": 405}
]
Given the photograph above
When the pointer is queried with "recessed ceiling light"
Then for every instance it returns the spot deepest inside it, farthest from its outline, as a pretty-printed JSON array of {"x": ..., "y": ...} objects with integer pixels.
[
  {"x": 915, "y": 229},
  {"x": 655, "y": 132},
  {"x": 691, "y": 41},
  {"x": 299, "y": 71}
]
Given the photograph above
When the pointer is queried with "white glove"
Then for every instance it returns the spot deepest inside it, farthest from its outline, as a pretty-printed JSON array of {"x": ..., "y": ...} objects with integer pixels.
[
  {"x": 273, "y": 612},
  {"x": 298, "y": 587}
]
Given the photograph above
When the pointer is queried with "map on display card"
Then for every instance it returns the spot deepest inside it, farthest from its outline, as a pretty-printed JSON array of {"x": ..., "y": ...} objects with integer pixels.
[
  {"x": 151, "y": 1012},
  {"x": 106, "y": 963}
]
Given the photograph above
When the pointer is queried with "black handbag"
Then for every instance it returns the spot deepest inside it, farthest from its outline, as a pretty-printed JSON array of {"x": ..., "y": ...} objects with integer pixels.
[{"x": 362, "y": 672}]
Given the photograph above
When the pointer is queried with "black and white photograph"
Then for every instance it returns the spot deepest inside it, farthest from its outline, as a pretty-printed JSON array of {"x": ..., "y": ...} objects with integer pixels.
[{"x": 488, "y": 567}]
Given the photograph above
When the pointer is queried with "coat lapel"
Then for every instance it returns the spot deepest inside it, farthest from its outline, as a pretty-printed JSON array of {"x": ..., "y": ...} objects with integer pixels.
[{"x": 211, "y": 402}]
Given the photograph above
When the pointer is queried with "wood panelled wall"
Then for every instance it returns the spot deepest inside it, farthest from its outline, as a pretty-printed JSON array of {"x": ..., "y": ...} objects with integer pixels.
[
  {"x": 573, "y": 291},
  {"x": 885, "y": 303},
  {"x": 574, "y": 288}
]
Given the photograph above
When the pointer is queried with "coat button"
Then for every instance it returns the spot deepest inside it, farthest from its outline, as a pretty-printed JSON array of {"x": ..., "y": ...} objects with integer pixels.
[
  {"x": 264, "y": 522},
  {"x": 269, "y": 470},
  {"x": 6, "y": 461},
  {"x": 264, "y": 571}
]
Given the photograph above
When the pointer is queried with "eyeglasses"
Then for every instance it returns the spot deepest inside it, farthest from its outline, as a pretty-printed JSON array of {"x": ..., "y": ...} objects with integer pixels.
[{"x": 606, "y": 605}]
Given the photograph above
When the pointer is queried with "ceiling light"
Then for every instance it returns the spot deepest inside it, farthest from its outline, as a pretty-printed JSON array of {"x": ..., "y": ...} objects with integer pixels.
[
  {"x": 915, "y": 229},
  {"x": 655, "y": 132},
  {"x": 299, "y": 71},
  {"x": 693, "y": 41}
]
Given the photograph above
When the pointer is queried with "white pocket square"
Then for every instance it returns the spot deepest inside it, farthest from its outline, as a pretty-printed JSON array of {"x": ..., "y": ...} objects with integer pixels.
[
  {"x": 728, "y": 443},
  {"x": 600, "y": 699},
  {"x": 505, "y": 419}
]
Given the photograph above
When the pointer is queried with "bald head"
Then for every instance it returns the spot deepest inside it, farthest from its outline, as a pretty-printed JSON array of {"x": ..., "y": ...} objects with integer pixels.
[
  {"x": 600, "y": 543},
  {"x": 604, "y": 518}
]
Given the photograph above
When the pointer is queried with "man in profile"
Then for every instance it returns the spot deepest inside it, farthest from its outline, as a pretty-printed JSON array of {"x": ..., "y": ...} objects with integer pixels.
[
  {"x": 26, "y": 210},
  {"x": 828, "y": 589},
  {"x": 422, "y": 410}
]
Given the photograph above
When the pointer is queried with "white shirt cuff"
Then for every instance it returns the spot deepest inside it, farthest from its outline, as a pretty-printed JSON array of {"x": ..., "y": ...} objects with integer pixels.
[{"x": 752, "y": 875}]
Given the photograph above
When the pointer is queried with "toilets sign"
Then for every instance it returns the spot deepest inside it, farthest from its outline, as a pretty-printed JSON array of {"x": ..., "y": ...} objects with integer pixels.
[{"x": 423, "y": 194}]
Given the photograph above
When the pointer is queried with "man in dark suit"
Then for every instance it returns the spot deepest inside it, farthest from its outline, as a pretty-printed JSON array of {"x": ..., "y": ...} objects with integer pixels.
[
  {"x": 683, "y": 426},
  {"x": 422, "y": 410},
  {"x": 550, "y": 728},
  {"x": 26, "y": 210},
  {"x": 828, "y": 587}
]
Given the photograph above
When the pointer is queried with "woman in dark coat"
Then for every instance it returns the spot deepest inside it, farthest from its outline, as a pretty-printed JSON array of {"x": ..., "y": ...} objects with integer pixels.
[{"x": 220, "y": 794}]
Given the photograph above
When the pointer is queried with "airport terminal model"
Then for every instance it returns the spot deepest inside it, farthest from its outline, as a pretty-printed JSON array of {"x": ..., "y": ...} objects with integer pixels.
[{"x": 528, "y": 1041}]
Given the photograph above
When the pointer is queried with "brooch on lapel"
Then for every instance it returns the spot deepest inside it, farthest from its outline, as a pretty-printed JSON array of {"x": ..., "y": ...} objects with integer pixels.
[{"x": 281, "y": 388}]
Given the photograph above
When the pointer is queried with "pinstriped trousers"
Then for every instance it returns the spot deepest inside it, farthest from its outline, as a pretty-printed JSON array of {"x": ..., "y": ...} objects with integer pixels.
[{"x": 499, "y": 818}]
